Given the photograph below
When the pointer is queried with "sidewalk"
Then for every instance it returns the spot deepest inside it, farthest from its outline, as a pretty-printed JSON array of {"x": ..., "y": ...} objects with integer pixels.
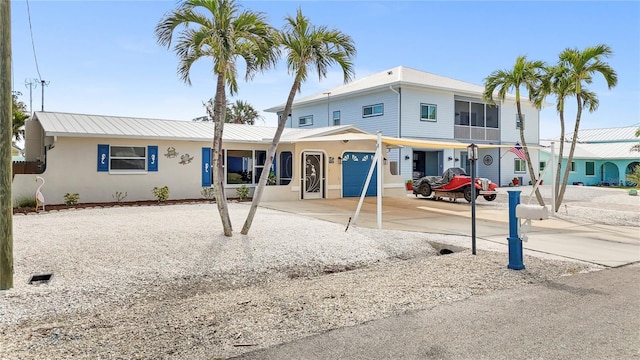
[{"x": 586, "y": 316}]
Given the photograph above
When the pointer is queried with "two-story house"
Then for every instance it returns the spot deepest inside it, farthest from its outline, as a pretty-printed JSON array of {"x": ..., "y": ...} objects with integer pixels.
[{"x": 408, "y": 103}]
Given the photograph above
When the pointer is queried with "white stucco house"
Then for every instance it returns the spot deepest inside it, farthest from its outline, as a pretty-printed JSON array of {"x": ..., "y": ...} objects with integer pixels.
[
  {"x": 97, "y": 156},
  {"x": 412, "y": 104}
]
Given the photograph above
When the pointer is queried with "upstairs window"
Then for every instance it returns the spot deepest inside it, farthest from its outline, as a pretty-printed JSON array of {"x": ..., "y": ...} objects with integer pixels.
[
  {"x": 305, "y": 120},
  {"x": 520, "y": 123},
  {"x": 336, "y": 118},
  {"x": 372, "y": 110},
  {"x": 428, "y": 112}
]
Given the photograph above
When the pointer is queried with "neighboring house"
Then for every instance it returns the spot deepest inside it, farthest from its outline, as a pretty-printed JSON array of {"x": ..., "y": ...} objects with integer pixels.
[
  {"x": 97, "y": 156},
  {"x": 408, "y": 103},
  {"x": 602, "y": 156},
  {"x": 16, "y": 153}
]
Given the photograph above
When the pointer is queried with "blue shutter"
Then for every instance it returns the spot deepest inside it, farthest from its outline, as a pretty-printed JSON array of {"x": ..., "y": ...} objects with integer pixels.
[
  {"x": 152, "y": 158},
  {"x": 206, "y": 167},
  {"x": 103, "y": 157}
]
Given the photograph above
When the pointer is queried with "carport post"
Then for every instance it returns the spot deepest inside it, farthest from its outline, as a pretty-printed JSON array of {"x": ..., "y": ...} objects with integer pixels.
[{"x": 515, "y": 243}]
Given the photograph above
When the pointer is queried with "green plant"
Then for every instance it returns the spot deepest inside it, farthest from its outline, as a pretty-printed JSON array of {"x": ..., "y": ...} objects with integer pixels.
[
  {"x": 161, "y": 193},
  {"x": 271, "y": 180},
  {"x": 410, "y": 181},
  {"x": 243, "y": 192},
  {"x": 71, "y": 199},
  {"x": 635, "y": 175},
  {"x": 25, "y": 202},
  {"x": 208, "y": 193},
  {"x": 119, "y": 196}
]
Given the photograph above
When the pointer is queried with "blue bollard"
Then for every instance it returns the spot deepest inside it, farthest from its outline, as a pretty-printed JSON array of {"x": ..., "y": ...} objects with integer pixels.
[{"x": 515, "y": 243}]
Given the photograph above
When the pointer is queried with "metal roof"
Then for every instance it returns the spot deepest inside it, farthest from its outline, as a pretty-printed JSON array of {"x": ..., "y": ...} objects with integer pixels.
[
  {"x": 82, "y": 125},
  {"x": 617, "y": 134},
  {"x": 400, "y": 75},
  {"x": 596, "y": 151}
]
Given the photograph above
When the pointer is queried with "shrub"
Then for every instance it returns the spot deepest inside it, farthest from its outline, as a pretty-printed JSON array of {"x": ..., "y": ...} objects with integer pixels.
[
  {"x": 71, "y": 199},
  {"x": 208, "y": 193},
  {"x": 635, "y": 175},
  {"x": 243, "y": 192},
  {"x": 25, "y": 202},
  {"x": 161, "y": 194},
  {"x": 119, "y": 196}
]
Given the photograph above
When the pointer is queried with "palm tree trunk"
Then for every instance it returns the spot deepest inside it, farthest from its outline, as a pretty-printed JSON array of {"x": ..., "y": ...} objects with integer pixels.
[
  {"x": 257, "y": 194},
  {"x": 559, "y": 168},
  {"x": 527, "y": 156},
  {"x": 565, "y": 179},
  {"x": 219, "y": 112},
  {"x": 6, "y": 220}
]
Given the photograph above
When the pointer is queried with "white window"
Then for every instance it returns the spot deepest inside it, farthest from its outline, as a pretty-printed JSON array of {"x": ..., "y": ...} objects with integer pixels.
[
  {"x": 336, "y": 118},
  {"x": 428, "y": 112},
  {"x": 305, "y": 120},
  {"x": 128, "y": 158},
  {"x": 519, "y": 165},
  {"x": 520, "y": 123},
  {"x": 373, "y": 110}
]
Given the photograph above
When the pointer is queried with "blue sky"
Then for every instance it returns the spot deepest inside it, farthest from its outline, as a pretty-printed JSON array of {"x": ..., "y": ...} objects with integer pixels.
[{"x": 101, "y": 57}]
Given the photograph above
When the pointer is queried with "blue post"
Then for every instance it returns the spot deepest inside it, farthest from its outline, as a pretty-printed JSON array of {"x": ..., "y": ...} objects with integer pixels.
[{"x": 515, "y": 243}]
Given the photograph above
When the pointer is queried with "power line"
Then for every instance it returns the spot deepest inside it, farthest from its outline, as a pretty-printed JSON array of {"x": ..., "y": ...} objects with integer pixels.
[{"x": 33, "y": 45}]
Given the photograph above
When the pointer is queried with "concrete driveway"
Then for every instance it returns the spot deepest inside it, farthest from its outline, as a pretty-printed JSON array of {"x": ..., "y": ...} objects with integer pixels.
[{"x": 599, "y": 244}]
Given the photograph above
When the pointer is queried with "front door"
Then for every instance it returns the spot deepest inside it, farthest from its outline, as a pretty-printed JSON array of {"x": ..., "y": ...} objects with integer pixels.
[{"x": 313, "y": 178}]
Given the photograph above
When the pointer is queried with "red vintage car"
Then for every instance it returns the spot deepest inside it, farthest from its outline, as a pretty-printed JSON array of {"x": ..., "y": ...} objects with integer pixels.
[{"x": 454, "y": 184}]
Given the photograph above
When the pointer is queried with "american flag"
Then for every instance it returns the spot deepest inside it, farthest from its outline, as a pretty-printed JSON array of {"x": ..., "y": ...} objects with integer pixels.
[{"x": 518, "y": 151}]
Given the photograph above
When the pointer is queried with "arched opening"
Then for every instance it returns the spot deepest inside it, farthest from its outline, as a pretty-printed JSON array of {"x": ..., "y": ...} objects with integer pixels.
[
  {"x": 610, "y": 175},
  {"x": 631, "y": 168}
]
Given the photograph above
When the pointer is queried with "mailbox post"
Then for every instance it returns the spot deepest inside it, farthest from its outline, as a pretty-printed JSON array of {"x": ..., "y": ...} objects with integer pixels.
[
  {"x": 472, "y": 154},
  {"x": 515, "y": 243}
]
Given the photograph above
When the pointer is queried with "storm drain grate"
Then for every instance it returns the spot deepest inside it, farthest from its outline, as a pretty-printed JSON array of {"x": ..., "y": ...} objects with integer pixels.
[
  {"x": 446, "y": 252},
  {"x": 40, "y": 279}
]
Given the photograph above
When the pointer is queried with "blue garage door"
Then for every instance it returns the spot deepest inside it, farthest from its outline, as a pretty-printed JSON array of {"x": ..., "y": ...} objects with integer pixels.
[{"x": 355, "y": 167}]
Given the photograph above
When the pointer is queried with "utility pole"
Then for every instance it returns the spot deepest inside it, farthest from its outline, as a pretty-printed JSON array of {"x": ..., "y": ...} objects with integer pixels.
[
  {"x": 31, "y": 86},
  {"x": 6, "y": 118},
  {"x": 328, "y": 117},
  {"x": 42, "y": 85}
]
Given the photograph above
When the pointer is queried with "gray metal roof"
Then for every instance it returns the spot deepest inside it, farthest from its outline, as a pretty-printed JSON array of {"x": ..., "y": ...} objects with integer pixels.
[
  {"x": 596, "y": 151},
  {"x": 82, "y": 125},
  {"x": 617, "y": 134},
  {"x": 400, "y": 75}
]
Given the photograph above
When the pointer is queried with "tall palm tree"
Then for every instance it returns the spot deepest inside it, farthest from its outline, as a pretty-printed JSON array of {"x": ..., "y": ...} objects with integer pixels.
[
  {"x": 527, "y": 74},
  {"x": 221, "y": 30},
  {"x": 556, "y": 82},
  {"x": 241, "y": 112},
  {"x": 306, "y": 48},
  {"x": 581, "y": 66}
]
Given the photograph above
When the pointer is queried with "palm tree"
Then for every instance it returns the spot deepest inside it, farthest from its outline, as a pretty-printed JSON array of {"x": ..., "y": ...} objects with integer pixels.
[
  {"x": 524, "y": 73},
  {"x": 556, "y": 82},
  {"x": 306, "y": 47},
  {"x": 20, "y": 115},
  {"x": 241, "y": 112},
  {"x": 225, "y": 34},
  {"x": 581, "y": 66}
]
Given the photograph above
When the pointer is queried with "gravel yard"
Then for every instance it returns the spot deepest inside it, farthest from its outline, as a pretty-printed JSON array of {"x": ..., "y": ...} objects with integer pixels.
[{"x": 162, "y": 282}]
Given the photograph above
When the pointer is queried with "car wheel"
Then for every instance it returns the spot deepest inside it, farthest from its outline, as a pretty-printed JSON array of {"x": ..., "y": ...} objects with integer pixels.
[
  {"x": 490, "y": 197},
  {"x": 425, "y": 190},
  {"x": 467, "y": 193}
]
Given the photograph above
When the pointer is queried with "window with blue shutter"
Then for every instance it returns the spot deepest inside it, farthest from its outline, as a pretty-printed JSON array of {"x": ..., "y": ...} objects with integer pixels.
[
  {"x": 152, "y": 158},
  {"x": 103, "y": 157}
]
